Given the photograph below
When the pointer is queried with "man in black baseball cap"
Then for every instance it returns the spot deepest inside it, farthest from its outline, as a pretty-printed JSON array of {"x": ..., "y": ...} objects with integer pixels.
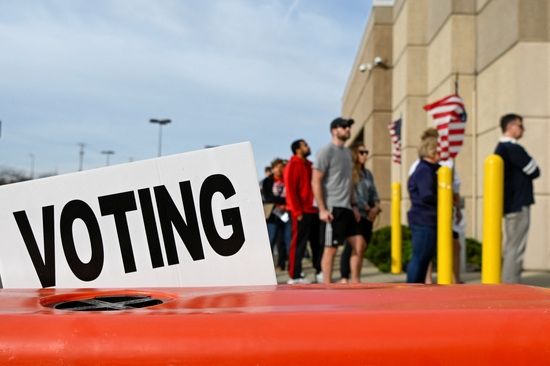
[
  {"x": 341, "y": 122},
  {"x": 331, "y": 182}
]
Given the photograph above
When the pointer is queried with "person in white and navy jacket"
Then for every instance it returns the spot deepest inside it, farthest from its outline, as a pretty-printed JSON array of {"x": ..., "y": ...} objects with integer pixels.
[{"x": 519, "y": 171}]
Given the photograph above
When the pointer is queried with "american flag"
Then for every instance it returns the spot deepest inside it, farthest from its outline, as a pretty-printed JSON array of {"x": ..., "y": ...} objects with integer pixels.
[
  {"x": 395, "y": 133},
  {"x": 450, "y": 120}
]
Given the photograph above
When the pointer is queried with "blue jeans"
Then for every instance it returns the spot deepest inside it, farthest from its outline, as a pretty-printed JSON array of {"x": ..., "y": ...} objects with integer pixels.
[
  {"x": 280, "y": 233},
  {"x": 424, "y": 241}
]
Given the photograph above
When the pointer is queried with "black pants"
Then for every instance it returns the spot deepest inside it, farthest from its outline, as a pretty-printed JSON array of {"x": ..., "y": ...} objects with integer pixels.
[{"x": 303, "y": 231}]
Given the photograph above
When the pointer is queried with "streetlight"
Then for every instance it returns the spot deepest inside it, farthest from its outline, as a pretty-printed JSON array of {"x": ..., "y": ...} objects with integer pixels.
[
  {"x": 161, "y": 122},
  {"x": 81, "y": 156},
  {"x": 108, "y": 152},
  {"x": 32, "y": 166}
]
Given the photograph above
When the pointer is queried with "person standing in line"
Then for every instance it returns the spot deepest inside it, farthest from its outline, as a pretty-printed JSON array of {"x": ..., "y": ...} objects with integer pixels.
[
  {"x": 368, "y": 203},
  {"x": 278, "y": 223},
  {"x": 305, "y": 222},
  {"x": 457, "y": 218},
  {"x": 334, "y": 194},
  {"x": 457, "y": 213},
  {"x": 422, "y": 216},
  {"x": 519, "y": 171},
  {"x": 267, "y": 173}
]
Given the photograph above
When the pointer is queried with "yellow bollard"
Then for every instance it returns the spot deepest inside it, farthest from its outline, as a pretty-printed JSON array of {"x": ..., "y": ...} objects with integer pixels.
[
  {"x": 493, "y": 195},
  {"x": 396, "y": 254},
  {"x": 444, "y": 226}
]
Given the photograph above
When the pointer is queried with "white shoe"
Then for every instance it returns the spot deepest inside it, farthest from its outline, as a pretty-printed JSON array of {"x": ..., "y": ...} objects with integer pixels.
[
  {"x": 296, "y": 281},
  {"x": 319, "y": 277}
]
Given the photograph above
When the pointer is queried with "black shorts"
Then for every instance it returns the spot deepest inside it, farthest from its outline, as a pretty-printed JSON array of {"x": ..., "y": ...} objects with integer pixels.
[{"x": 343, "y": 225}]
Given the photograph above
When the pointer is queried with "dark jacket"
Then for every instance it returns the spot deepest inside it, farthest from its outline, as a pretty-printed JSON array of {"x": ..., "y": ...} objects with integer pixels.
[
  {"x": 519, "y": 171},
  {"x": 273, "y": 192},
  {"x": 422, "y": 187}
]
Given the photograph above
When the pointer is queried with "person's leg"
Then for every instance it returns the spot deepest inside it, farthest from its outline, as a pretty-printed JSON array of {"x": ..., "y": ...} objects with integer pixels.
[
  {"x": 327, "y": 263},
  {"x": 456, "y": 259},
  {"x": 332, "y": 234},
  {"x": 300, "y": 231},
  {"x": 345, "y": 258},
  {"x": 423, "y": 249},
  {"x": 517, "y": 227},
  {"x": 293, "y": 245},
  {"x": 365, "y": 228},
  {"x": 281, "y": 247},
  {"x": 358, "y": 246},
  {"x": 271, "y": 233},
  {"x": 429, "y": 280},
  {"x": 286, "y": 229},
  {"x": 287, "y": 234},
  {"x": 314, "y": 244}
]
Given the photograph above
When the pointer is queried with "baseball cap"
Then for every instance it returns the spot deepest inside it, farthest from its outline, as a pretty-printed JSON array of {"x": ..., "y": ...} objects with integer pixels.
[{"x": 341, "y": 122}]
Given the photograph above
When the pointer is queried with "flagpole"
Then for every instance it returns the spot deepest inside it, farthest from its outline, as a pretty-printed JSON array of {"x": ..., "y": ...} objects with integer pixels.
[{"x": 456, "y": 84}]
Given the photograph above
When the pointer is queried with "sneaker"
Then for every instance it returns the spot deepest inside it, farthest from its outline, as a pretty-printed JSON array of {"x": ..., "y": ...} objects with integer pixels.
[
  {"x": 319, "y": 277},
  {"x": 296, "y": 281}
]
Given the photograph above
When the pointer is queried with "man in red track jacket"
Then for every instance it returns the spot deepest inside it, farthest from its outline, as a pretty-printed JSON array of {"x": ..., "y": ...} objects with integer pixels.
[{"x": 305, "y": 221}]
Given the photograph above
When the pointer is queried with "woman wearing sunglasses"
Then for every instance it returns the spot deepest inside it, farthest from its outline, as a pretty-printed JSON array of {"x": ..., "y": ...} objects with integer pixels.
[{"x": 368, "y": 203}]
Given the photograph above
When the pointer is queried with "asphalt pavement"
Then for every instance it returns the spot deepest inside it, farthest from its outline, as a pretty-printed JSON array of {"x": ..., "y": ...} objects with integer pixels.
[{"x": 371, "y": 274}]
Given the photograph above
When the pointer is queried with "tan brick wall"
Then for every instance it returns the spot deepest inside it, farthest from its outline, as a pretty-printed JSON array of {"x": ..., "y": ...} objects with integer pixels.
[{"x": 501, "y": 52}]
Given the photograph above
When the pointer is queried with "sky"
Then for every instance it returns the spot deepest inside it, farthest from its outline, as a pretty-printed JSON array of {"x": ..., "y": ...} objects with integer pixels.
[{"x": 79, "y": 75}]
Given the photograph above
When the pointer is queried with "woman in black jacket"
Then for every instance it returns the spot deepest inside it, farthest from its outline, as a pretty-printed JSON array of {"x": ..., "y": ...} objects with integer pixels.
[{"x": 279, "y": 226}]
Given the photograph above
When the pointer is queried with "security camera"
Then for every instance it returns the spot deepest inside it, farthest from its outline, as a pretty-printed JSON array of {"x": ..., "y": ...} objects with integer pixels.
[
  {"x": 365, "y": 67},
  {"x": 378, "y": 61}
]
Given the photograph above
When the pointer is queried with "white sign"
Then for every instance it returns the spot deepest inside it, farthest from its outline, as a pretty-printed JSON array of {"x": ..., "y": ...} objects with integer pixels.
[{"x": 193, "y": 219}]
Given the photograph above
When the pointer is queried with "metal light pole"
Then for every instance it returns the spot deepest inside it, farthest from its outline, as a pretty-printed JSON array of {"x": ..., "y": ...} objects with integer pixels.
[
  {"x": 32, "y": 166},
  {"x": 108, "y": 153},
  {"x": 161, "y": 122},
  {"x": 81, "y": 156}
]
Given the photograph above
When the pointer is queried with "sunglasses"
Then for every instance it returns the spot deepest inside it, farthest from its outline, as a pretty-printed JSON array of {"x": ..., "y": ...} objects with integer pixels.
[
  {"x": 363, "y": 152},
  {"x": 344, "y": 126}
]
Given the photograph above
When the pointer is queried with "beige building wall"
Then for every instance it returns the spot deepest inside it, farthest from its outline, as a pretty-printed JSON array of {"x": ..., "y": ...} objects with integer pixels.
[
  {"x": 367, "y": 100},
  {"x": 498, "y": 51},
  {"x": 513, "y": 52}
]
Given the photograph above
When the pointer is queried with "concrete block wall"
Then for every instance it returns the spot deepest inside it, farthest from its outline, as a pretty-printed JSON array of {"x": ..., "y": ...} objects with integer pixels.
[{"x": 500, "y": 50}]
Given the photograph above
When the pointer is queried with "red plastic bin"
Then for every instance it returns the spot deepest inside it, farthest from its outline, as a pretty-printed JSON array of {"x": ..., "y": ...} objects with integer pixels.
[{"x": 380, "y": 324}]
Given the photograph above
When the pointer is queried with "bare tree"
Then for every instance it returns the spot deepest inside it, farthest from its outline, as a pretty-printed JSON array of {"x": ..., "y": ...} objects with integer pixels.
[{"x": 12, "y": 175}]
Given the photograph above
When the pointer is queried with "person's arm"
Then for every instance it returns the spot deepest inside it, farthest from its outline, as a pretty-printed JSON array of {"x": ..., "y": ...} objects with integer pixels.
[
  {"x": 456, "y": 204},
  {"x": 293, "y": 190},
  {"x": 354, "y": 202},
  {"x": 280, "y": 201},
  {"x": 375, "y": 210},
  {"x": 374, "y": 191},
  {"x": 316, "y": 179},
  {"x": 527, "y": 164}
]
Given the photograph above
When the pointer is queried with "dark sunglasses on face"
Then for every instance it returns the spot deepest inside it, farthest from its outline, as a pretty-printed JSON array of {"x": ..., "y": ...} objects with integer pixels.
[{"x": 363, "y": 152}]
